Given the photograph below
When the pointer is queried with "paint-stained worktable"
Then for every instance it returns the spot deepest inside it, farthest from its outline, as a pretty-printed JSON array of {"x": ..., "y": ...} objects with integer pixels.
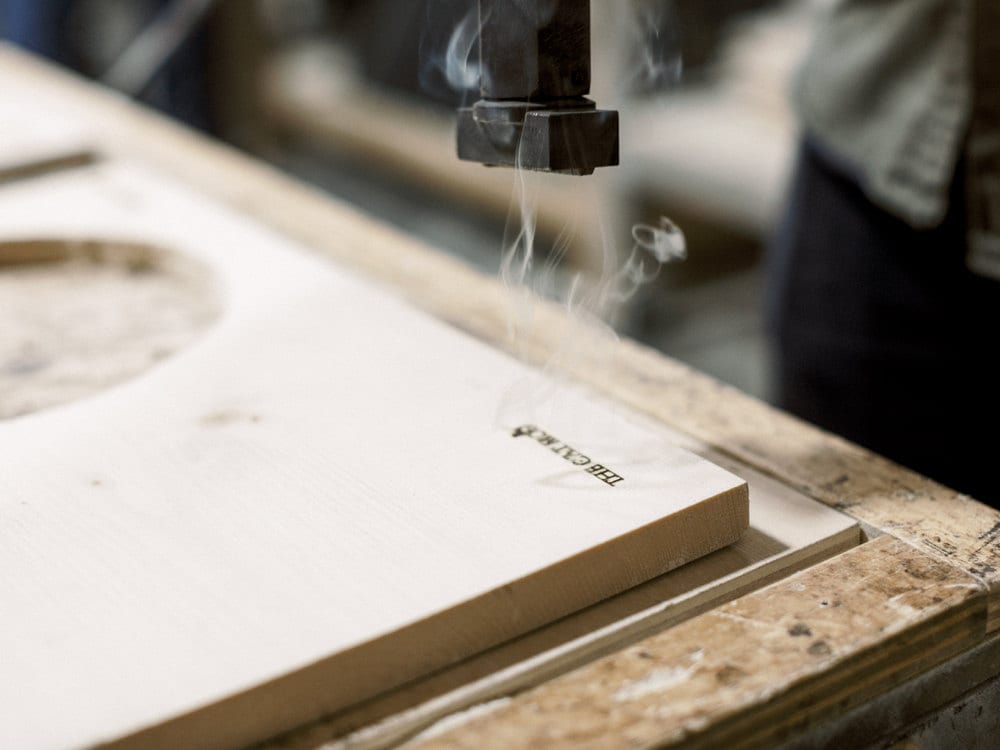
[{"x": 893, "y": 639}]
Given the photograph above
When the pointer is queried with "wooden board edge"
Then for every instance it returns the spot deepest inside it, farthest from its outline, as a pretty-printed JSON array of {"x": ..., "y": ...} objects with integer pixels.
[
  {"x": 52, "y": 163},
  {"x": 386, "y": 721},
  {"x": 309, "y": 693}
]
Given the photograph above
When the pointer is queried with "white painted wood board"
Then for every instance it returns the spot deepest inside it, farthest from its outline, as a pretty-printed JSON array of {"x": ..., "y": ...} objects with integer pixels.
[{"x": 319, "y": 500}]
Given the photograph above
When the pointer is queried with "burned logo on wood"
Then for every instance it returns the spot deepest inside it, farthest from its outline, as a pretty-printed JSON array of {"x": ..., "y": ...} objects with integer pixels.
[{"x": 568, "y": 453}]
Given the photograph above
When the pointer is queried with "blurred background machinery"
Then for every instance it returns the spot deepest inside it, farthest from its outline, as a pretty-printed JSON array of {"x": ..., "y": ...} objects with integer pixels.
[{"x": 357, "y": 97}]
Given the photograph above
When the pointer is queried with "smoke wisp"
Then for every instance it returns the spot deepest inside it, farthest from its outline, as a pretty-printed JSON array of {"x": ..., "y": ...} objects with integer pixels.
[{"x": 449, "y": 62}]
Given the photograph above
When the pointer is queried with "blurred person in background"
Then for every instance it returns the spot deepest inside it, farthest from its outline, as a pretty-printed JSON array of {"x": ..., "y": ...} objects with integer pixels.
[{"x": 884, "y": 298}]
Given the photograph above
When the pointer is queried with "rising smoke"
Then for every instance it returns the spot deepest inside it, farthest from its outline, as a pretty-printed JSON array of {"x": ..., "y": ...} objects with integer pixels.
[
  {"x": 449, "y": 53},
  {"x": 648, "y": 60}
]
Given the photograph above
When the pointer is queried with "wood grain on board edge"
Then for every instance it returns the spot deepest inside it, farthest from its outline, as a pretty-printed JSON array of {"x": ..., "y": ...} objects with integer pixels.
[
  {"x": 757, "y": 670},
  {"x": 870, "y": 489},
  {"x": 526, "y": 662}
]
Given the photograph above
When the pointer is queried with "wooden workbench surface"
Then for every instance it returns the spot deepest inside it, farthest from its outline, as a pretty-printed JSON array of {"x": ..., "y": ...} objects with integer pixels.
[{"x": 925, "y": 588}]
